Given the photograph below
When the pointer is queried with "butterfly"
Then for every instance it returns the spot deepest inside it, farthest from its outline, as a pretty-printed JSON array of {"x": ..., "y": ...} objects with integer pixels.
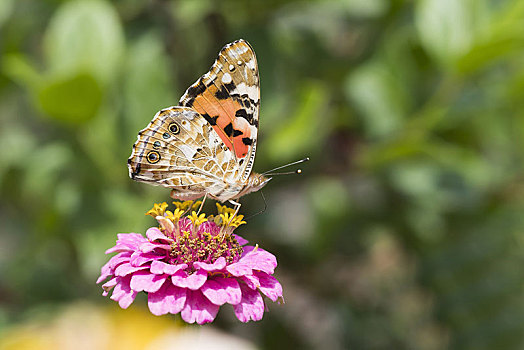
[{"x": 206, "y": 145}]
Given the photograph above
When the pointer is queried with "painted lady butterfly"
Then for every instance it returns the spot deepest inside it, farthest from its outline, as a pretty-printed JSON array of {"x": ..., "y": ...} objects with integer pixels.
[{"x": 206, "y": 145}]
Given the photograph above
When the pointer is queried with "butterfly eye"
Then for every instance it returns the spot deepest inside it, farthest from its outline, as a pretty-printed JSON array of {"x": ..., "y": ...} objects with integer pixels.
[
  {"x": 174, "y": 128},
  {"x": 166, "y": 135},
  {"x": 153, "y": 157},
  {"x": 157, "y": 144}
]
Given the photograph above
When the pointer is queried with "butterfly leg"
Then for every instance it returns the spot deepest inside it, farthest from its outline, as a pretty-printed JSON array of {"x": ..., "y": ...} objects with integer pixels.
[
  {"x": 236, "y": 210},
  {"x": 202, "y": 204}
]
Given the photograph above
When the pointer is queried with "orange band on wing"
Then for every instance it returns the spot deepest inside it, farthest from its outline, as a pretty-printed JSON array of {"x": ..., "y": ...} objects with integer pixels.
[{"x": 231, "y": 130}]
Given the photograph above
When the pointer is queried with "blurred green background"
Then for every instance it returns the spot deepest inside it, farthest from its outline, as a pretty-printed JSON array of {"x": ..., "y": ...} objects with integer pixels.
[{"x": 405, "y": 231}]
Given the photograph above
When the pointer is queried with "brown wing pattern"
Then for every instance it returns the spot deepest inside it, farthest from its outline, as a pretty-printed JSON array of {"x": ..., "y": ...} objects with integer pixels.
[
  {"x": 228, "y": 97},
  {"x": 180, "y": 150}
]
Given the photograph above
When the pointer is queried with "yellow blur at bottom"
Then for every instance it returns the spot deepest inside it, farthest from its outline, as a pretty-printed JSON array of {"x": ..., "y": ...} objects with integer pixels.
[{"x": 87, "y": 326}]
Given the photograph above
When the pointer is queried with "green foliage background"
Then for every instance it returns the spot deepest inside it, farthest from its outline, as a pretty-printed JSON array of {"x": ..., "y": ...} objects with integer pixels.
[{"x": 405, "y": 231}]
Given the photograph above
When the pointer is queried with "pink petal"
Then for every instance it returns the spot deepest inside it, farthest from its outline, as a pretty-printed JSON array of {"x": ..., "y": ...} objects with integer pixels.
[
  {"x": 251, "y": 281},
  {"x": 220, "y": 290},
  {"x": 240, "y": 268},
  {"x": 154, "y": 233},
  {"x": 259, "y": 259},
  {"x": 123, "y": 293},
  {"x": 119, "y": 258},
  {"x": 138, "y": 258},
  {"x": 168, "y": 299},
  {"x": 198, "y": 309},
  {"x": 109, "y": 285},
  {"x": 146, "y": 281},
  {"x": 160, "y": 267},
  {"x": 241, "y": 240},
  {"x": 105, "y": 272},
  {"x": 127, "y": 242},
  {"x": 126, "y": 269},
  {"x": 193, "y": 281},
  {"x": 108, "y": 269},
  {"x": 148, "y": 247},
  {"x": 251, "y": 307},
  {"x": 269, "y": 286},
  {"x": 219, "y": 264}
]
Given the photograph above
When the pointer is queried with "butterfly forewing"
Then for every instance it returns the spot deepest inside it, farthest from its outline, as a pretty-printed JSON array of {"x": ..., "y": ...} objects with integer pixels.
[{"x": 228, "y": 97}]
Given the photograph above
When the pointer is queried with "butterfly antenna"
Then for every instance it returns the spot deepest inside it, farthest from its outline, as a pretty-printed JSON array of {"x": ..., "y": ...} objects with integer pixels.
[
  {"x": 263, "y": 210},
  {"x": 298, "y": 171}
]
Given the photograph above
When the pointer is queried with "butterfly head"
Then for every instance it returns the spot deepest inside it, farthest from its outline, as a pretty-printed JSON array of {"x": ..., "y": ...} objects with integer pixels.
[{"x": 254, "y": 183}]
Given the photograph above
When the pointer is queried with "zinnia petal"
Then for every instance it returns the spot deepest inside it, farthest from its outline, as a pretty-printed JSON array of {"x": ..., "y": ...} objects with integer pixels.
[
  {"x": 119, "y": 259},
  {"x": 269, "y": 286},
  {"x": 241, "y": 240},
  {"x": 138, "y": 258},
  {"x": 251, "y": 307},
  {"x": 221, "y": 290},
  {"x": 159, "y": 267},
  {"x": 126, "y": 268},
  {"x": 148, "y": 247},
  {"x": 168, "y": 299},
  {"x": 259, "y": 259},
  {"x": 105, "y": 272},
  {"x": 251, "y": 281},
  {"x": 123, "y": 293},
  {"x": 146, "y": 281},
  {"x": 193, "y": 281},
  {"x": 219, "y": 264},
  {"x": 154, "y": 233},
  {"x": 198, "y": 308},
  {"x": 109, "y": 285},
  {"x": 127, "y": 242}
]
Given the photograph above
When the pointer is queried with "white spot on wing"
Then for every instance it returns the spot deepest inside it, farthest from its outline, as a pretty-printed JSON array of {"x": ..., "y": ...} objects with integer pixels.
[
  {"x": 241, "y": 49},
  {"x": 251, "y": 64},
  {"x": 226, "y": 78},
  {"x": 251, "y": 91},
  {"x": 189, "y": 152}
]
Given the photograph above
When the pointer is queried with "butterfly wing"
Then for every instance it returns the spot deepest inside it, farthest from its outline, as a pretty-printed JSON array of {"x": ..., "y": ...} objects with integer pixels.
[
  {"x": 228, "y": 97},
  {"x": 179, "y": 149}
]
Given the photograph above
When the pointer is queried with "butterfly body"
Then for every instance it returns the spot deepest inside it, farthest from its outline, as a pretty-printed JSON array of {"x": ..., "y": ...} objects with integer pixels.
[{"x": 206, "y": 146}]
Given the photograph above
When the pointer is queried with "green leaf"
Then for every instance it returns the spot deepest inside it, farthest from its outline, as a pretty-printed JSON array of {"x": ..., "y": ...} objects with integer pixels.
[
  {"x": 506, "y": 39},
  {"x": 305, "y": 129},
  {"x": 6, "y": 8},
  {"x": 85, "y": 35},
  {"x": 379, "y": 97},
  {"x": 19, "y": 69},
  {"x": 148, "y": 86},
  {"x": 44, "y": 168},
  {"x": 74, "y": 99},
  {"x": 448, "y": 29}
]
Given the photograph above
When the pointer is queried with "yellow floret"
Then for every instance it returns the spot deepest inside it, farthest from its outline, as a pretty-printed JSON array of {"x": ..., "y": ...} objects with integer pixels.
[
  {"x": 222, "y": 209},
  {"x": 174, "y": 216},
  {"x": 197, "y": 219},
  {"x": 229, "y": 220},
  {"x": 157, "y": 210},
  {"x": 183, "y": 205}
]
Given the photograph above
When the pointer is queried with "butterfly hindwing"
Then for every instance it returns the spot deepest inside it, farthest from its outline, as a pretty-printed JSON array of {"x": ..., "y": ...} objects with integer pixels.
[
  {"x": 228, "y": 97},
  {"x": 179, "y": 149}
]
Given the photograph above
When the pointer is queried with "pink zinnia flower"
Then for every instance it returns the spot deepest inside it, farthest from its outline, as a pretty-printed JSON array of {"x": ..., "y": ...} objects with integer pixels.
[{"x": 192, "y": 265}]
